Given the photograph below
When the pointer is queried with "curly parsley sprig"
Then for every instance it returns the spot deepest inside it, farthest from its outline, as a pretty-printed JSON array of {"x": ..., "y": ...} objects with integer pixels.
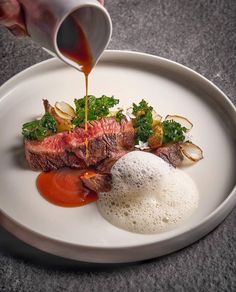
[
  {"x": 97, "y": 108},
  {"x": 173, "y": 131},
  {"x": 39, "y": 129},
  {"x": 143, "y": 121},
  {"x": 144, "y": 125}
]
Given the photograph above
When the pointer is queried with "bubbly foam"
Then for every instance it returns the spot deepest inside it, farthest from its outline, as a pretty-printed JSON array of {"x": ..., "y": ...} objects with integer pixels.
[{"x": 147, "y": 195}]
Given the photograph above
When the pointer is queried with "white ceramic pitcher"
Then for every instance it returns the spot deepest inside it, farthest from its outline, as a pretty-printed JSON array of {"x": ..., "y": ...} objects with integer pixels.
[{"x": 45, "y": 18}]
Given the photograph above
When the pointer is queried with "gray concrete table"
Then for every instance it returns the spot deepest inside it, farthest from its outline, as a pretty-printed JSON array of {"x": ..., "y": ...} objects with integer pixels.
[{"x": 200, "y": 34}]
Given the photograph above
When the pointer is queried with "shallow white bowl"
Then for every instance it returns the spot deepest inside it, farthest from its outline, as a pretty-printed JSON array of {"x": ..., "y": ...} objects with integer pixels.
[{"x": 82, "y": 233}]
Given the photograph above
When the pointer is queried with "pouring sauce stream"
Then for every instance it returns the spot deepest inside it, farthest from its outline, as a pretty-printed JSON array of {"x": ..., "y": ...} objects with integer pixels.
[
  {"x": 63, "y": 187},
  {"x": 81, "y": 55}
]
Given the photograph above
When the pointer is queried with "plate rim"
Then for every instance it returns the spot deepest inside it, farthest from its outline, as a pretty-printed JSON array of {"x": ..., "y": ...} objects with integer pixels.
[{"x": 200, "y": 229}]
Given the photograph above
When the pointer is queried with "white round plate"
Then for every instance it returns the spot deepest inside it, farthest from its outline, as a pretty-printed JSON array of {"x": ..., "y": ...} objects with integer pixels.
[{"x": 81, "y": 233}]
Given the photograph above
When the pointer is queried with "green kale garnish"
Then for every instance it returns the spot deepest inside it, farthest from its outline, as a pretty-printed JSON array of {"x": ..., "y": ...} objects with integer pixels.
[
  {"x": 39, "y": 129},
  {"x": 143, "y": 121},
  {"x": 97, "y": 108},
  {"x": 173, "y": 131},
  {"x": 119, "y": 115},
  {"x": 48, "y": 122}
]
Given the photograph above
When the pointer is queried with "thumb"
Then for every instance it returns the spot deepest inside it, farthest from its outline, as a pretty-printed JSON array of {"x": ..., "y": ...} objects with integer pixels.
[{"x": 12, "y": 17}]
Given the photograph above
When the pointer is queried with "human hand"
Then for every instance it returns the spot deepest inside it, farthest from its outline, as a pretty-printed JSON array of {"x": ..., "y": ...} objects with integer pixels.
[{"x": 12, "y": 16}]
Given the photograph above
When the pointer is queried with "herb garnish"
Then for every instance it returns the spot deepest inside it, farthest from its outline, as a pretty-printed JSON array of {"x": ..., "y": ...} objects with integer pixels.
[
  {"x": 39, "y": 129},
  {"x": 97, "y": 108},
  {"x": 119, "y": 115},
  {"x": 173, "y": 131},
  {"x": 143, "y": 121}
]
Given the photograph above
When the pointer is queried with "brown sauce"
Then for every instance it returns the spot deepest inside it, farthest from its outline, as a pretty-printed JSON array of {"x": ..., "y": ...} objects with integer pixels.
[
  {"x": 64, "y": 187},
  {"x": 80, "y": 54}
]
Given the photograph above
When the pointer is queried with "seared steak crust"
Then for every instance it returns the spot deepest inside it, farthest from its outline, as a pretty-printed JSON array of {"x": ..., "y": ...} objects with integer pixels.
[
  {"x": 171, "y": 153},
  {"x": 97, "y": 182},
  {"x": 67, "y": 149},
  {"x": 106, "y": 165}
]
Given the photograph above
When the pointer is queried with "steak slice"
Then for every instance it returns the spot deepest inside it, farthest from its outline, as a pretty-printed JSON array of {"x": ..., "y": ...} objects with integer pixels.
[
  {"x": 106, "y": 165},
  {"x": 67, "y": 149},
  {"x": 171, "y": 153},
  {"x": 97, "y": 182}
]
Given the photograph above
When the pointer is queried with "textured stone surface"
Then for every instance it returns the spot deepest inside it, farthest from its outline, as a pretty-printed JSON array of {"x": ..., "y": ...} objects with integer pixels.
[{"x": 200, "y": 34}]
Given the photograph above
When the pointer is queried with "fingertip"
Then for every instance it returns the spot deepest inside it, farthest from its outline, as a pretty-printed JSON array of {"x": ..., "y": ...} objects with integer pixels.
[
  {"x": 12, "y": 17},
  {"x": 17, "y": 30}
]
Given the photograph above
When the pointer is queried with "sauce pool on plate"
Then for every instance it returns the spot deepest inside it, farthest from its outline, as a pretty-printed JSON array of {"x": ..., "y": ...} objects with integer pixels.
[{"x": 64, "y": 187}]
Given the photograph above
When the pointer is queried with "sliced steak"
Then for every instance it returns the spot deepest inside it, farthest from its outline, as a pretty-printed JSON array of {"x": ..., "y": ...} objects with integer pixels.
[
  {"x": 67, "y": 149},
  {"x": 97, "y": 182},
  {"x": 106, "y": 165},
  {"x": 171, "y": 153}
]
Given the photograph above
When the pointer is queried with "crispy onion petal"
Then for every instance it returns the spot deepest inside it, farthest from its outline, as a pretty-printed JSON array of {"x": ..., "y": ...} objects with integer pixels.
[
  {"x": 181, "y": 120},
  {"x": 64, "y": 110},
  {"x": 191, "y": 151},
  {"x": 156, "y": 116}
]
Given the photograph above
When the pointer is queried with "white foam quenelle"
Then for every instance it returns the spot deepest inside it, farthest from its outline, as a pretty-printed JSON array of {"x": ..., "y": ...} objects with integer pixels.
[{"x": 148, "y": 195}]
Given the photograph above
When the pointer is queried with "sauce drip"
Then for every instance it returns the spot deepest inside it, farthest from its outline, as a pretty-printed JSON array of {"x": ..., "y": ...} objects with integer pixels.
[
  {"x": 64, "y": 187},
  {"x": 86, "y": 117},
  {"x": 80, "y": 54}
]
